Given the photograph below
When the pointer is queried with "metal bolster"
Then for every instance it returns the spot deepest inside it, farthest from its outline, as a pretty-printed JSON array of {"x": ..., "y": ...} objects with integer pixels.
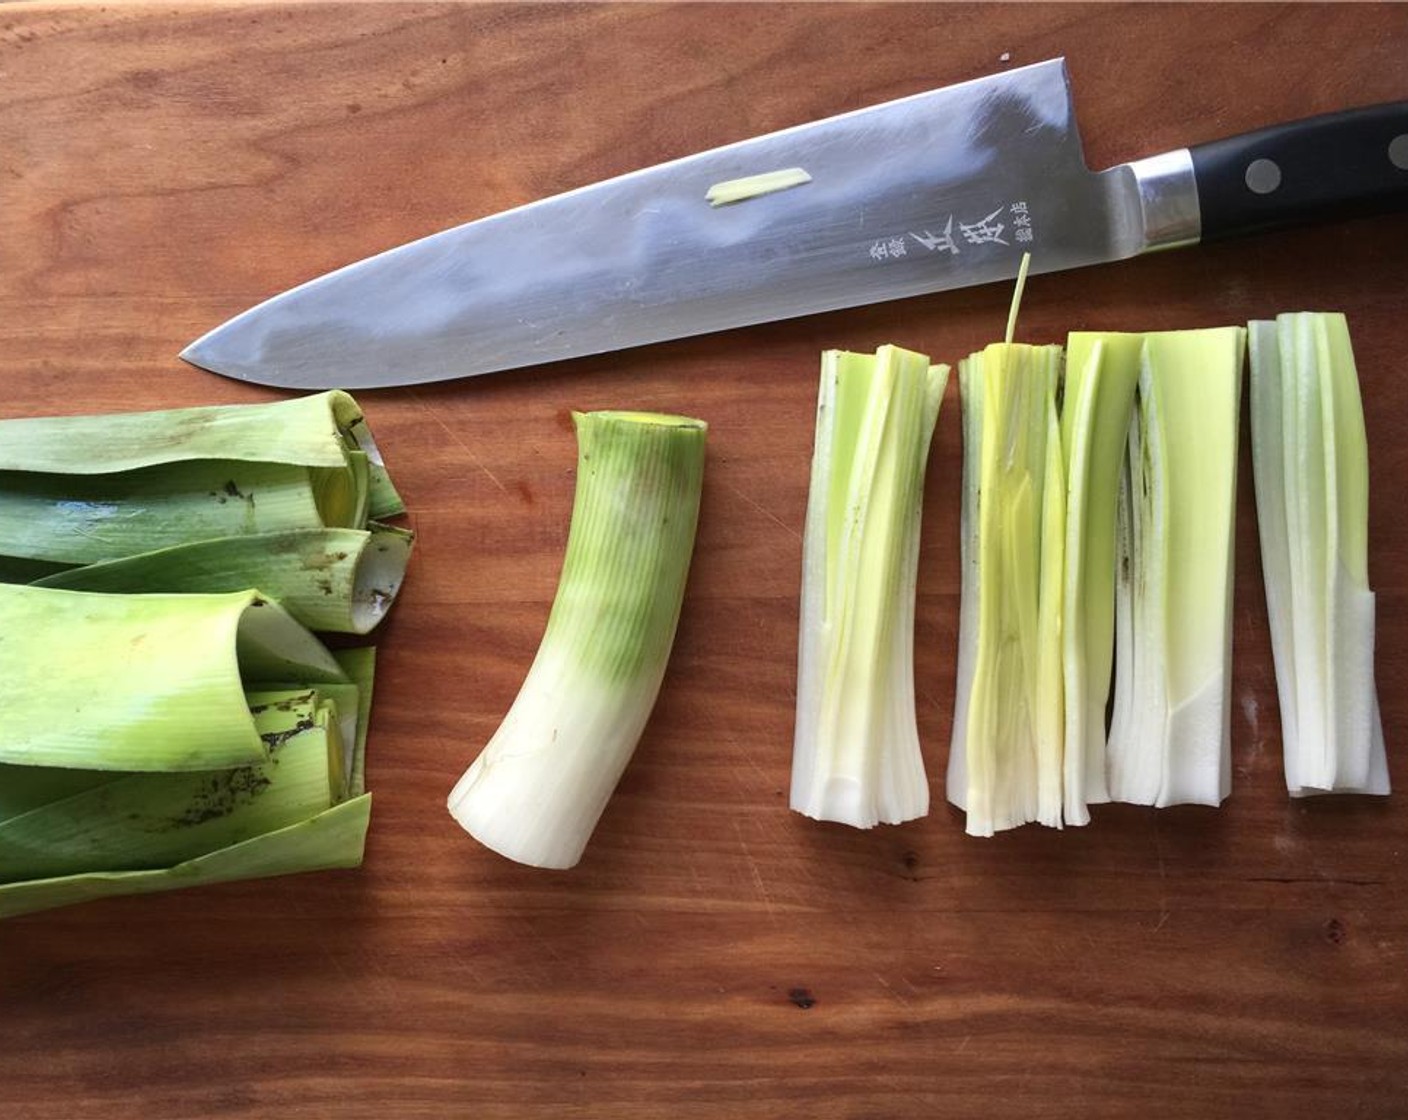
[{"x": 1168, "y": 200}]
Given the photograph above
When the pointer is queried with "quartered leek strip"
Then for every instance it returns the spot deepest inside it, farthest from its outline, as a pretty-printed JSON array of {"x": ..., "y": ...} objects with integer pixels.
[
  {"x": 1102, "y": 371},
  {"x": 1012, "y": 729},
  {"x": 536, "y": 791},
  {"x": 337, "y": 580},
  {"x": 81, "y": 519},
  {"x": 143, "y": 682},
  {"x": 136, "y": 822},
  {"x": 1170, "y": 731},
  {"x": 1311, "y": 463},
  {"x": 856, "y": 756}
]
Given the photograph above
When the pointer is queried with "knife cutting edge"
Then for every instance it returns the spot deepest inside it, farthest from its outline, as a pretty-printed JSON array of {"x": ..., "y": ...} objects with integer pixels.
[{"x": 939, "y": 190}]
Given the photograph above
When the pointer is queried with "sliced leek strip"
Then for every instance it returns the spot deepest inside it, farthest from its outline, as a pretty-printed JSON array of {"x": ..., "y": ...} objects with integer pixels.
[{"x": 856, "y": 756}]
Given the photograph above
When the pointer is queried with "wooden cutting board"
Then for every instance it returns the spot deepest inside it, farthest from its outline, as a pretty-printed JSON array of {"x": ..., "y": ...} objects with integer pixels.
[{"x": 165, "y": 166}]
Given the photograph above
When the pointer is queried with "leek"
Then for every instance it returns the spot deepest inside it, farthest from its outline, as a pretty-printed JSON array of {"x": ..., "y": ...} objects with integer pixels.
[
  {"x": 1310, "y": 460},
  {"x": 337, "y": 580},
  {"x": 537, "y": 789},
  {"x": 856, "y": 756},
  {"x": 143, "y": 682},
  {"x": 1006, "y": 760},
  {"x": 1170, "y": 739}
]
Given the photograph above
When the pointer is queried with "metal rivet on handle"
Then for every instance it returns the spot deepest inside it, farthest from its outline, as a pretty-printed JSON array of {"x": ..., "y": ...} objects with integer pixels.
[
  {"x": 1263, "y": 176},
  {"x": 1398, "y": 151}
]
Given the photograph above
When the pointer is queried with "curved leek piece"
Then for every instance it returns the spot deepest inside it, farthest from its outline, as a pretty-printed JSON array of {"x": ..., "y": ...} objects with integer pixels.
[
  {"x": 84, "y": 489},
  {"x": 1102, "y": 371},
  {"x": 338, "y": 580},
  {"x": 137, "y": 822},
  {"x": 1170, "y": 731},
  {"x": 1009, "y": 723},
  {"x": 1311, "y": 463},
  {"x": 856, "y": 757},
  {"x": 143, "y": 682},
  {"x": 536, "y": 791}
]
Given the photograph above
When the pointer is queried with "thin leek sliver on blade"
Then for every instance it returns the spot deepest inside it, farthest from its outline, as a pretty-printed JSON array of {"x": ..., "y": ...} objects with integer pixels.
[
  {"x": 1170, "y": 734},
  {"x": 1310, "y": 461},
  {"x": 143, "y": 682},
  {"x": 1102, "y": 371},
  {"x": 537, "y": 790},
  {"x": 332, "y": 838},
  {"x": 1006, "y": 758},
  {"x": 335, "y": 580},
  {"x": 82, "y": 489},
  {"x": 856, "y": 756}
]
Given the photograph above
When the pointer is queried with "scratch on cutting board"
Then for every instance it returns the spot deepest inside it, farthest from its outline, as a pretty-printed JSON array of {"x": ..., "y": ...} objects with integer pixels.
[
  {"x": 901, "y": 1000},
  {"x": 766, "y": 512},
  {"x": 458, "y": 441},
  {"x": 753, "y": 868}
]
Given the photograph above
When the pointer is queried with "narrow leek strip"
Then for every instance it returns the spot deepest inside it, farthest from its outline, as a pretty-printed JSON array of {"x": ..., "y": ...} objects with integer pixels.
[
  {"x": 536, "y": 791},
  {"x": 1311, "y": 464},
  {"x": 143, "y": 682},
  {"x": 360, "y": 666},
  {"x": 753, "y": 186},
  {"x": 1013, "y": 725},
  {"x": 338, "y": 580},
  {"x": 135, "y": 822},
  {"x": 78, "y": 519},
  {"x": 1170, "y": 734},
  {"x": 1102, "y": 371},
  {"x": 856, "y": 756}
]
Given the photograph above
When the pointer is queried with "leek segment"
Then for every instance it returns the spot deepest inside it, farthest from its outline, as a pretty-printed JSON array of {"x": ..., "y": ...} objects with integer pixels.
[
  {"x": 856, "y": 756},
  {"x": 1170, "y": 738},
  {"x": 1006, "y": 762},
  {"x": 537, "y": 790},
  {"x": 1311, "y": 465}
]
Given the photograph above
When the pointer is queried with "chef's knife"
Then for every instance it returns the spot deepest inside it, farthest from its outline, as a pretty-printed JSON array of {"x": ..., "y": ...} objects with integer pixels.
[{"x": 940, "y": 190}]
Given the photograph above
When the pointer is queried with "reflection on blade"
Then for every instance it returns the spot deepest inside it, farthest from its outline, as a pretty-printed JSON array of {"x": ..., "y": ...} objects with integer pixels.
[{"x": 941, "y": 190}]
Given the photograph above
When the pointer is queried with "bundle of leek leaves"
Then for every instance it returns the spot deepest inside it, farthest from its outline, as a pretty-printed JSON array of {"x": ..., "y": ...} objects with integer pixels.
[{"x": 171, "y": 719}]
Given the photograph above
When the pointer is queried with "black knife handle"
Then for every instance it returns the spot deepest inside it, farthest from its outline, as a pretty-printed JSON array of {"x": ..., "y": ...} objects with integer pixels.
[{"x": 1341, "y": 165}]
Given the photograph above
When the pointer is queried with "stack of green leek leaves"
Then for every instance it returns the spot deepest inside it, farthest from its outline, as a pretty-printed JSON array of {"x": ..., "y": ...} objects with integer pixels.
[{"x": 171, "y": 717}]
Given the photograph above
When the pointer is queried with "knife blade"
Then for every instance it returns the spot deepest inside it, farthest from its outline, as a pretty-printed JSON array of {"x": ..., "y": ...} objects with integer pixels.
[{"x": 939, "y": 190}]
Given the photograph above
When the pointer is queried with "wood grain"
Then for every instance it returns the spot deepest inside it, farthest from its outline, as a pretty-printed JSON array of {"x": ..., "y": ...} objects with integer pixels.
[{"x": 162, "y": 167}]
